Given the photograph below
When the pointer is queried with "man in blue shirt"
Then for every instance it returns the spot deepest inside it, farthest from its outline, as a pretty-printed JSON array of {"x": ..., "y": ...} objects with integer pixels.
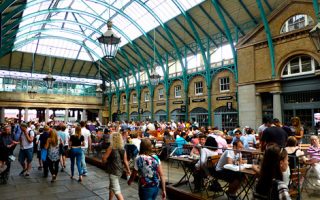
[
  {"x": 238, "y": 136},
  {"x": 180, "y": 141}
]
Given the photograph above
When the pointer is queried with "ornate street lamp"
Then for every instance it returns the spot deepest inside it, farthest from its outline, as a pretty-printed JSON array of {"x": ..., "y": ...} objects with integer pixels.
[
  {"x": 99, "y": 91},
  {"x": 33, "y": 92},
  {"x": 110, "y": 42},
  {"x": 154, "y": 77},
  {"x": 315, "y": 36},
  {"x": 49, "y": 80}
]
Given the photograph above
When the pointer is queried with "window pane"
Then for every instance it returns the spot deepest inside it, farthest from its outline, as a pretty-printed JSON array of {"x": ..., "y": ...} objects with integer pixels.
[{"x": 306, "y": 64}]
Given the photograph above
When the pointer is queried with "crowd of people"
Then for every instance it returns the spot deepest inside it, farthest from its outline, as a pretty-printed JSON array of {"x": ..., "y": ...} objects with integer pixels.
[{"x": 53, "y": 143}]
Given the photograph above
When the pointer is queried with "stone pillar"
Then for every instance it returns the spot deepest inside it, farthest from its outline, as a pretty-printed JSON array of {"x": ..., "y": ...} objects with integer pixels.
[
  {"x": 66, "y": 115},
  {"x": 84, "y": 115},
  {"x": 2, "y": 115},
  {"x": 258, "y": 110},
  {"x": 277, "y": 108},
  {"x": 19, "y": 116},
  {"x": 247, "y": 105},
  {"x": 100, "y": 115},
  {"x": 26, "y": 114},
  {"x": 46, "y": 117}
]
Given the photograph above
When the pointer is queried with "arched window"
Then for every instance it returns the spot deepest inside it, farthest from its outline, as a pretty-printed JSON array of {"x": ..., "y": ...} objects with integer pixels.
[
  {"x": 296, "y": 22},
  {"x": 300, "y": 65}
]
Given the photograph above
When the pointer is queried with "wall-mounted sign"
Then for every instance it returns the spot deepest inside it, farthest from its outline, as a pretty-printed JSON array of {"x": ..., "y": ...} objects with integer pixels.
[
  {"x": 229, "y": 105},
  {"x": 198, "y": 100},
  {"x": 177, "y": 102},
  {"x": 140, "y": 111},
  {"x": 134, "y": 106},
  {"x": 183, "y": 108},
  {"x": 224, "y": 98},
  {"x": 161, "y": 104}
]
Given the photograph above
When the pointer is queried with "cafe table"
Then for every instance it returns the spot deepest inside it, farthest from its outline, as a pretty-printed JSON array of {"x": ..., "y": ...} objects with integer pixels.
[
  {"x": 249, "y": 177},
  {"x": 188, "y": 165}
]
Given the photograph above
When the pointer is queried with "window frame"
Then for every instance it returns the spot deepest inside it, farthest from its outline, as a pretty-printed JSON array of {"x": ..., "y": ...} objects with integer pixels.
[
  {"x": 161, "y": 94},
  {"x": 115, "y": 102},
  {"x": 285, "y": 26},
  {"x": 287, "y": 67},
  {"x": 134, "y": 98},
  {"x": 225, "y": 84},
  {"x": 196, "y": 89},
  {"x": 146, "y": 96},
  {"x": 176, "y": 91}
]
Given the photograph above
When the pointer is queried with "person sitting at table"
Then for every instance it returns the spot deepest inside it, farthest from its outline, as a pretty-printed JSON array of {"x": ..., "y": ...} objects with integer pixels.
[
  {"x": 232, "y": 177},
  {"x": 314, "y": 156},
  {"x": 238, "y": 136},
  {"x": 167, "y": 136},
  {"x": 180, "y": 141},
  {"x": 201, "y": 169},
  {"x": 270, "y": 182},
  {"x": 294, "y": 153}
]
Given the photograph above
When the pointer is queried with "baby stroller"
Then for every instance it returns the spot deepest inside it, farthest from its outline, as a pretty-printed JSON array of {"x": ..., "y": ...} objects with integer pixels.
[{"x": 4, "y": 176}]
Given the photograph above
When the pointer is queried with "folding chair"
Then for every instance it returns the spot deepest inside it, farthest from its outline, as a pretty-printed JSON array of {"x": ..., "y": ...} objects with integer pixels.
[
  {"x": 212, "y": 181},
  {"x": 297, "y": 179}
]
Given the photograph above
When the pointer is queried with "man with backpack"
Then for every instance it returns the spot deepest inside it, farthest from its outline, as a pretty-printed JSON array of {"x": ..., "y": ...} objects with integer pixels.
[{"x": 26, "y": 149}]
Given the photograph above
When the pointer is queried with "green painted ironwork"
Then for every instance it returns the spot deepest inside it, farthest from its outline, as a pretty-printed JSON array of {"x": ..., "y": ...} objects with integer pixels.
[
  {"x": 269, "y": 37},
  {"x": 228, "y": 34},
  {"x": 62, "y": 88},
  {"x": 316, "y": 9}
]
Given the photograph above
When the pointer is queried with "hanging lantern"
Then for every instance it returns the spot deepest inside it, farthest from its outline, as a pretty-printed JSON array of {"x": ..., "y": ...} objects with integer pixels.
[
  {"x": 110, "y": 42},
  {"x": 49, "y": 80},
  {"x": 99, "y": 91}
]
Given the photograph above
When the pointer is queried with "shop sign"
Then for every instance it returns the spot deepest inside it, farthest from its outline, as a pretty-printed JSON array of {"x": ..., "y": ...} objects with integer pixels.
[
  {"x": 177, "y": 102},
  {"x": 161, "y": 104},
  {"x": 224, "y": 98},
  {"x": 198, "y": 100}
]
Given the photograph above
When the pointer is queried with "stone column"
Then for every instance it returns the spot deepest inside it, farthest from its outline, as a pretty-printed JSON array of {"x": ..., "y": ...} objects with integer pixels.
[
  {"x": 84, "y": 115},
  {"x": 277, "y": 108},
  {"x": 46, "y": 116},
  {"x": 66, "y": 115},
  {"x": 100, "y": 116},
  {"x": 2, "y": 115},
  {"x": 26, "y": 114},
  {"x": 258, "y": 110}
]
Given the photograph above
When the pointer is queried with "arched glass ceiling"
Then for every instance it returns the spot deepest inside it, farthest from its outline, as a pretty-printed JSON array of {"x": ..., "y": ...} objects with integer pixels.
[{"x": 54, "y": 21}]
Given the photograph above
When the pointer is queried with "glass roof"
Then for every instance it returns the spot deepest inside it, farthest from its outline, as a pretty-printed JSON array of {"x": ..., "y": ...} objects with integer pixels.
[{"x": 92, "y": 16}]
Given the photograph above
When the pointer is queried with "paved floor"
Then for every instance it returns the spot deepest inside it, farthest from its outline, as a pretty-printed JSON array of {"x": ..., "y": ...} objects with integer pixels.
[{"x": 94, "y": 186}]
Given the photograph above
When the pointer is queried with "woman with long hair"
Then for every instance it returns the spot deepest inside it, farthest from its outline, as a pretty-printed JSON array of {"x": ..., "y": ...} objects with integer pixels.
[
  {"x": 114, "y": 158},
  {"x": 297, "y": 128},
  {"x": 149, "y": 168},
  {"x": 52, "y": 146},
  {"x": 270, "y": 184},
  {"x": 76, "y": 141}
]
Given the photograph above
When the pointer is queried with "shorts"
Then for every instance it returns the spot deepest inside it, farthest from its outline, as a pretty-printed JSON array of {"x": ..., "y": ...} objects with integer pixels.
[
  {"x": 114, "y": 184},
  {"x": 26, "y": 154}
]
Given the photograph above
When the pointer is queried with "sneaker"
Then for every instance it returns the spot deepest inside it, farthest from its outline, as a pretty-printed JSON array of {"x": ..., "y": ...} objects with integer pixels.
[
  {"x": 85, "y": 174},
  {"x": 27, "y": 174},
  {"x": 62, "y": 170},
  {"x": 3, "y": 168},
  {"x": 22, "y": 172}
]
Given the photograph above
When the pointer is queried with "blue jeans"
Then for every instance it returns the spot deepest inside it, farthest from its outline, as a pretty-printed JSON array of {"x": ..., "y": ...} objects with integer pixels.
[
  {"x": 83, "y": 161},
  {"x": 76, "y": 153},
  {"x": 150, "y": 193}
]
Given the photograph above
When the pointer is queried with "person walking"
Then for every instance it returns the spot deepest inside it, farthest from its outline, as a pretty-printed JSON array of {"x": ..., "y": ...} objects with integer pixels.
[
  {"x": 87, "y": 139},
  {"x": 52, "y": 146},
  {"x": 76, "y": 142},
  {"x": 150, "y": 172},
  {"x": 26, "y": 149},
  {"x": 114, "y": 158}
]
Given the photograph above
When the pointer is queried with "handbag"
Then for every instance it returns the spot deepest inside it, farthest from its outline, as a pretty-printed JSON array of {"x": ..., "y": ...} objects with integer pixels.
[{"x": 44, "y": 153}]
